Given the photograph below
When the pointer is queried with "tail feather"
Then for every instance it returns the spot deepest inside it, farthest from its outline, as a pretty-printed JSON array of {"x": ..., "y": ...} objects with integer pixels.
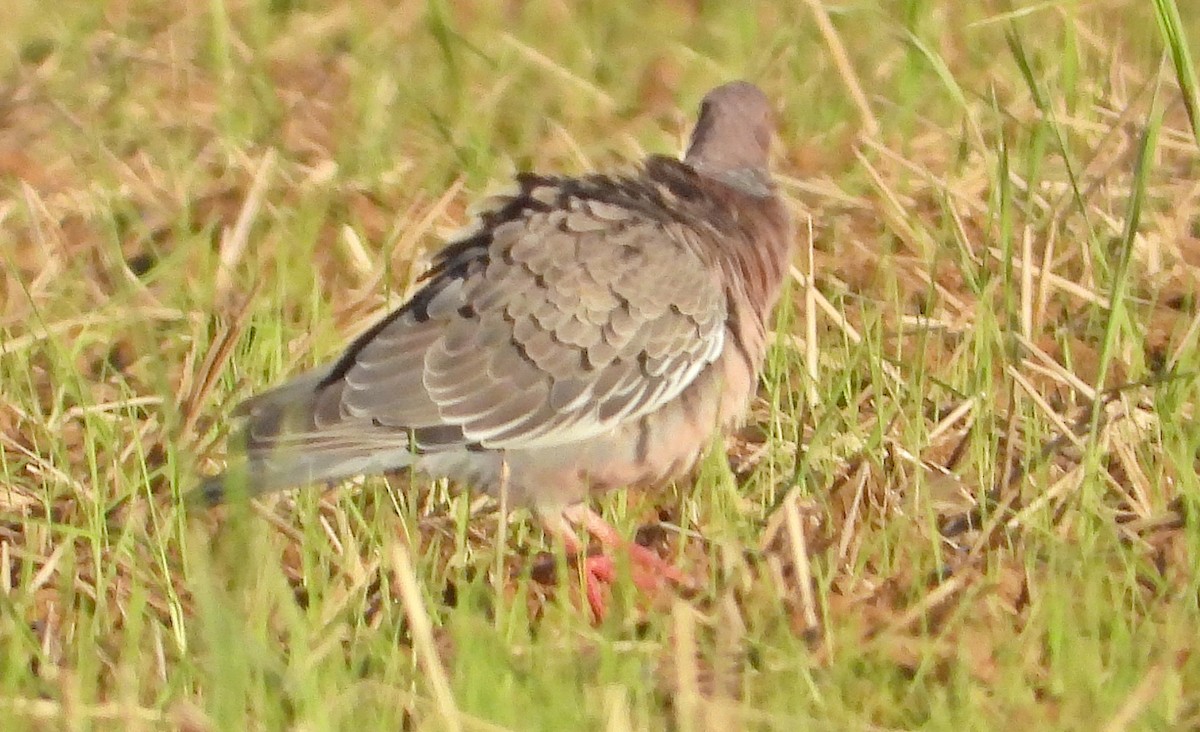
[
  {"x": 295, "y": 435},
  {"x": 290, "y": 467},
  {"x": 299, "y": 388}
]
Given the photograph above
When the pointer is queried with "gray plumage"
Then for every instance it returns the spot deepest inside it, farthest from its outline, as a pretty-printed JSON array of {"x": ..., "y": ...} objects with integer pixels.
[{"x": 591, "y": 332}]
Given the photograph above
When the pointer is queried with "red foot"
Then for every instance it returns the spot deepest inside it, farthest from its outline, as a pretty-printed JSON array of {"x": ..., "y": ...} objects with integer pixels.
[
  {"x": 648, "y": 571},
  {"x": 598, "y": 573}
]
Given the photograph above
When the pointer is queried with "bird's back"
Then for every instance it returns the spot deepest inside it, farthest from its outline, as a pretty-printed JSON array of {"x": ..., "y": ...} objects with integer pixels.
[{"x": 589, "y": 332}]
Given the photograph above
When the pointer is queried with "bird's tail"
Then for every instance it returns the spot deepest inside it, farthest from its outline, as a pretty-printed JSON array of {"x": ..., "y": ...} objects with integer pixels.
[{"x": 296, "y": 435}]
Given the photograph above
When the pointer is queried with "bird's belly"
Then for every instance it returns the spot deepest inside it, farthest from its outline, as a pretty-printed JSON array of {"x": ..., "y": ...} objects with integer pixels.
[{"x": 645, "y": 452}]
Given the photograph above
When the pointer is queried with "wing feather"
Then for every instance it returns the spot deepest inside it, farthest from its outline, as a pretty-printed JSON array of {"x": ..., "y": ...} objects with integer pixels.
[{"x": 563, "y": 314}]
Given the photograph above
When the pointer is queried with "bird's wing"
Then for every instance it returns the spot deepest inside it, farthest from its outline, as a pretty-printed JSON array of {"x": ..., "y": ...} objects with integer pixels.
[{"x": 553, "y": 325}]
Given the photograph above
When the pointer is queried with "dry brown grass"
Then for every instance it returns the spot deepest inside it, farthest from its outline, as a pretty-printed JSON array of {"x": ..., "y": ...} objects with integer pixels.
[{"x": 966, "y": 497}]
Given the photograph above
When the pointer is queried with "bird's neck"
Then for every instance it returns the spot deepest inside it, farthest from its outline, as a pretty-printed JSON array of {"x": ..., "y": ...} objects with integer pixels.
[
  {"x": 751, "y": 182},
  {"x": 763, "y": 251}
]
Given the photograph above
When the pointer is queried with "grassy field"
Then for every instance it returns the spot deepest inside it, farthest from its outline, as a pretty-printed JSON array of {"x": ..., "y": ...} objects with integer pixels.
[{"x": 966, "y": 497}]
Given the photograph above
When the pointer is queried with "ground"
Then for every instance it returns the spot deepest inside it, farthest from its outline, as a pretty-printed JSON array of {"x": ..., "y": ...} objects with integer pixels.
[{"x": 966, "y": 494}]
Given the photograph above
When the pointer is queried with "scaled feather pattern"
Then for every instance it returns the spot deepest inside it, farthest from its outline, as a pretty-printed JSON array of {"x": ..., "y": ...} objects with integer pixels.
[{"x": 588, "y": 333}]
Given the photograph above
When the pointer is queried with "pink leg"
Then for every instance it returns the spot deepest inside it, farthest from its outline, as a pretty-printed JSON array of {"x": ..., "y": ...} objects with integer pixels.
[{"x": 648, "y": 571}]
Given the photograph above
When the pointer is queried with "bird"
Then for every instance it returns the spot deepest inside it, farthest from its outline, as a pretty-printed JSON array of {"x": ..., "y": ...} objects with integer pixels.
[{"x": 587, "y": 333}]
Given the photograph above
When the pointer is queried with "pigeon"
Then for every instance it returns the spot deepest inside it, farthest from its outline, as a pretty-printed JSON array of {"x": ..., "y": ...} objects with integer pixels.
[{"x": 586, "y": 334}]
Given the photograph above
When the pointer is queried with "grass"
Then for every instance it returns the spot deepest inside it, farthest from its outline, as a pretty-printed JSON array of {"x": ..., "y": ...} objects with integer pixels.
[{"x": 966, "y": 496}]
